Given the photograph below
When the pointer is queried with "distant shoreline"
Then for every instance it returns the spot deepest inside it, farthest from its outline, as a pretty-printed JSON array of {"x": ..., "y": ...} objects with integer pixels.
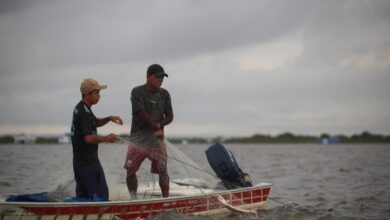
[{"x": 287, "y": 137}]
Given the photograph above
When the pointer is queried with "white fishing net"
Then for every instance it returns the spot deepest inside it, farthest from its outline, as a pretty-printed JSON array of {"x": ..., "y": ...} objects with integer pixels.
[{"x": 186, "y": 178}]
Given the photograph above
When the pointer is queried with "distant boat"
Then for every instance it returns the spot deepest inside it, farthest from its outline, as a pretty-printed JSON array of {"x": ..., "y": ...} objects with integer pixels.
[
  {"x": 328, "y": 140},
  {"x": 24, "y": 139},
  {"x": 64, "y": 139}
]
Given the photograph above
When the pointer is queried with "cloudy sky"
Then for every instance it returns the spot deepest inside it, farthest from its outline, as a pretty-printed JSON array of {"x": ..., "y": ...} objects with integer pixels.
[{"x": 235, "y": 67}]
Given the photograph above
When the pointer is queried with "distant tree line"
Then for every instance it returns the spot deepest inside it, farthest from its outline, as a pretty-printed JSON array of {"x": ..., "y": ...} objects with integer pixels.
[
  {"x": 46, "y": 140},
  {"x": 287, "y": 137},
  {"x": 7, "y": 139},
  {"x": 281, "y": 138},
  {"x": 364, "y": 137}
]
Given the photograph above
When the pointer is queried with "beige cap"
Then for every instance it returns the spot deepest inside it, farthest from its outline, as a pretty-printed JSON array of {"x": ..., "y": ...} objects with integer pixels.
[{"x": 88, "y": 85}]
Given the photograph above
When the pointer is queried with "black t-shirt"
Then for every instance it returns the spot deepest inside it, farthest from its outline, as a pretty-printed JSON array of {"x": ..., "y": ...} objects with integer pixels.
[
  {"x": 157, "y": 104},
  {"x": 83, "y": 123}
]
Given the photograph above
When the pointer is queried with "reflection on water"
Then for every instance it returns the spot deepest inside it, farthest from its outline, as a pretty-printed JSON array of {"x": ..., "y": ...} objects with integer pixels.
[{"x": 310, "y": 181}]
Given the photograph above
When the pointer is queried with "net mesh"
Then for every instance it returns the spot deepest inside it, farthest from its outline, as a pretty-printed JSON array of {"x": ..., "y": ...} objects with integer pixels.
[{"x": 186, "y": 178}]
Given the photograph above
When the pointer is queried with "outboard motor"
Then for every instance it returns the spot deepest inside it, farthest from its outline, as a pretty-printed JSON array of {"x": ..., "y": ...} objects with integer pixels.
[{"x": 226, "y": 167}]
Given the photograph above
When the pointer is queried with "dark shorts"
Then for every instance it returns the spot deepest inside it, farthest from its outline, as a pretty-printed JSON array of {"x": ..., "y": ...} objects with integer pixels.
[
  {"x": 136, "y": 155},
  {"x": 90, "y": 181}
]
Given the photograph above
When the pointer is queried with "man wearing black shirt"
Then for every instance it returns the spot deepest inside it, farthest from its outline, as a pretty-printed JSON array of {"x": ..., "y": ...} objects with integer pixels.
[{"x": 89, "y": 175}]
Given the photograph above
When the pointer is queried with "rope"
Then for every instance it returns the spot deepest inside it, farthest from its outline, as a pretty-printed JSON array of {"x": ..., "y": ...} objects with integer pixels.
[{"x": 294, "y": 209}]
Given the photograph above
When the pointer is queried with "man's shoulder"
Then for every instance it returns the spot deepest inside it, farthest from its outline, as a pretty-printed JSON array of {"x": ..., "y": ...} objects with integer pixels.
[
  {"x": 139, "y": 88},
  {"x": 138, "y": 91},
  {"x": 164, "y": 91},
  {"x": 82, "y": 108}
]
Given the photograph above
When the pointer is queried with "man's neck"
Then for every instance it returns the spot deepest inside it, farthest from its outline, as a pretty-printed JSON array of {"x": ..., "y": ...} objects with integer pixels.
[
  {"x": 151, "y": 88},
  {"x": 85, "y": 101}
]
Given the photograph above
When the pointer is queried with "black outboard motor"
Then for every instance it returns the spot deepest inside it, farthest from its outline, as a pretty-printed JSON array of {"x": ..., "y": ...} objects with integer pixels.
[{"x": 226, "y": 167}]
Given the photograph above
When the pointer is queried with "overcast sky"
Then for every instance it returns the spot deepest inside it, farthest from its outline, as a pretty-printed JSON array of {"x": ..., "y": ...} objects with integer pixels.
[{"x": 235, "y": 67}]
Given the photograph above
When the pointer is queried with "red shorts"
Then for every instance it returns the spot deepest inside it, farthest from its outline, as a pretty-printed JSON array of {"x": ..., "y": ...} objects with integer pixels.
[{"x": 136, "y": 155}]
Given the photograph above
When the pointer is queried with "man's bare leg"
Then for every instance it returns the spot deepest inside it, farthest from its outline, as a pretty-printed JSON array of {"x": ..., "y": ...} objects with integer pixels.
[
  {"x": 164, "y": 184},
  {"x": 132, "y": 185}
]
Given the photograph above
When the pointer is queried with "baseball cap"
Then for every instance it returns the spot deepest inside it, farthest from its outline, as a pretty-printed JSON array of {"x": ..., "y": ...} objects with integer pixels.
[
  {"x": 157, "y": 70},
  {"x": 88, "y": 85}
]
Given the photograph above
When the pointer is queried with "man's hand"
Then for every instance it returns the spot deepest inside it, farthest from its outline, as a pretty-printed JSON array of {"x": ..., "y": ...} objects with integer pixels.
[
  {"x": 111, "y": 138},
  {"x": 116, "y": 119}
]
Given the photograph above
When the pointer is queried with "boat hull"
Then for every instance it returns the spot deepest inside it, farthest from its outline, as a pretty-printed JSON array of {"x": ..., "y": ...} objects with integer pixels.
[{"x": 203, "y": 204}]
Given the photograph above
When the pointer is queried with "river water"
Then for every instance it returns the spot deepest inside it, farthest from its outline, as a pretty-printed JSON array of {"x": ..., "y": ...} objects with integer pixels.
[{"x": 310, "y": 181}]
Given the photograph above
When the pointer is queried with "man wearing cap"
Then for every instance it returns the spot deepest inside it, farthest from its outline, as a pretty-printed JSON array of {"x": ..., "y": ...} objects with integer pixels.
[
  {"x": 151, "y": 112},
  {"x": 89, "y": 175}
]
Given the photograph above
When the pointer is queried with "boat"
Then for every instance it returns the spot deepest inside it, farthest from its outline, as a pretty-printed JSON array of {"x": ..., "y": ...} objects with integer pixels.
[
  {"x": 205, "y": 203},
  {"x": 190, "y": 196}
]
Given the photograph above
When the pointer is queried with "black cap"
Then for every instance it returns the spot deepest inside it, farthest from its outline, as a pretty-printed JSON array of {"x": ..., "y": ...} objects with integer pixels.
[{"x": 156, "y": 70}]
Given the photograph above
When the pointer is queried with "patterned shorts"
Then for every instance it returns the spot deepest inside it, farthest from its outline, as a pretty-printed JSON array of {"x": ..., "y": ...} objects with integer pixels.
[{"x": 136, "y": 155}]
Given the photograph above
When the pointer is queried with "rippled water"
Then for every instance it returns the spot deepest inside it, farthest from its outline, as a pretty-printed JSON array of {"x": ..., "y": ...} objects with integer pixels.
[{"x": 310, "y": 181}]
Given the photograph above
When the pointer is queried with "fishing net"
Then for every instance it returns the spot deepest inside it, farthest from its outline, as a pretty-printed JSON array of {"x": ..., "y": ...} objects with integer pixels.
[{"x": 186, "y": 177}]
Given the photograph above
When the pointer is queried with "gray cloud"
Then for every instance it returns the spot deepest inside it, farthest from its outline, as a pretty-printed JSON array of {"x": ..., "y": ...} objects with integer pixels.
[{"x": 235, "y": 68}]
